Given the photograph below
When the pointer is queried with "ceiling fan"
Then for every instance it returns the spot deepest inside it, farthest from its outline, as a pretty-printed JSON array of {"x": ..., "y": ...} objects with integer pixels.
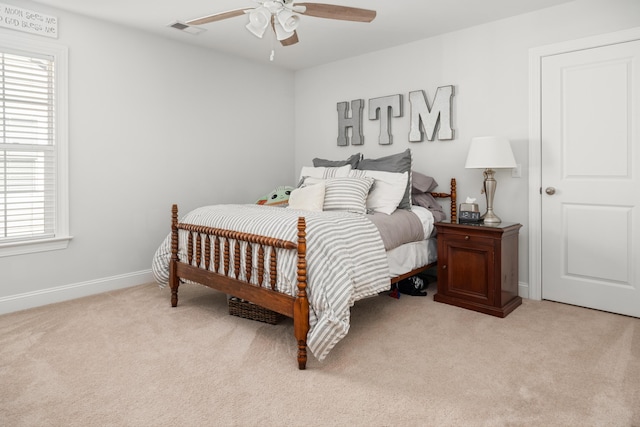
[{"x": 283, "y": 17}]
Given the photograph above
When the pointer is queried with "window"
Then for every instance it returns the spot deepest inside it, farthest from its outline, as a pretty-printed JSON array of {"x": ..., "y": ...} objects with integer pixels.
[{"x": 33, "y": 146}]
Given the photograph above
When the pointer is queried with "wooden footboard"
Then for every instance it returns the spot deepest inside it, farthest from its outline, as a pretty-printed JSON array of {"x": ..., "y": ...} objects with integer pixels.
[{"x": 209, "y": 263}]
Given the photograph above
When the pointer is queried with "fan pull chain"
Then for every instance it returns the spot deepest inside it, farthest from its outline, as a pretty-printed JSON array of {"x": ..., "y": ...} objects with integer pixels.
[{"x": 273, "y": 48}]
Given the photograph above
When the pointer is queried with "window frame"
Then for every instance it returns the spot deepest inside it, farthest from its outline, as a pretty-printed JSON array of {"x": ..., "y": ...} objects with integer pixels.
[{"x": 33, "y": 45}]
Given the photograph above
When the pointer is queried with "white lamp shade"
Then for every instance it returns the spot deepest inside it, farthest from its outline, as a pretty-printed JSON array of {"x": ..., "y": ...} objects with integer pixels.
[
  {"x": 259, "y": 21},
  {"x": 490, "y": 152}
]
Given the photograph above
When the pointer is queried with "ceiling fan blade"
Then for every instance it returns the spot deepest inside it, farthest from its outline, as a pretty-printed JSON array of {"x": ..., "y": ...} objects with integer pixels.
[
  {"x": 331, "y": 11},
  {"x": 291, "y": 40},
  {"x": 218, "y": 16}
]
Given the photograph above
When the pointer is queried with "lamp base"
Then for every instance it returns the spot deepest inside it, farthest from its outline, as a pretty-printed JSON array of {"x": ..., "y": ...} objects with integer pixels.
[
  {"x": 491, "y": 218},
  {"x": 489, "y": 191}
]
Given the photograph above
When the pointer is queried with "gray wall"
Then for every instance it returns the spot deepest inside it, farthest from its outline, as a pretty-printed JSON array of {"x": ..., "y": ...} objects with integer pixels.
[
  {"x": 489, "y": 67},
  {"x": 151, "y": 122}
]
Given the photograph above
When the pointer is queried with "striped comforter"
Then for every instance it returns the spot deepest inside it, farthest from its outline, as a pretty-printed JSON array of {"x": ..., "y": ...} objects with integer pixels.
[{"x": 346, "y": 260}]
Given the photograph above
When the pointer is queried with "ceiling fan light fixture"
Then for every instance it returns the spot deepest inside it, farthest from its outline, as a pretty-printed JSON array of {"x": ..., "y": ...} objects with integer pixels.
[
  {"x": 288, "y": 20},
  {"x": 259, "y": 21},
  {"x": 283, "y": 16},
  {"x": 281, "y": 32}
]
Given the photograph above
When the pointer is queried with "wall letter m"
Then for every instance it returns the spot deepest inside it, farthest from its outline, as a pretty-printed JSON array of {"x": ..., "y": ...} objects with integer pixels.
[{"x": 427, "y": 119}]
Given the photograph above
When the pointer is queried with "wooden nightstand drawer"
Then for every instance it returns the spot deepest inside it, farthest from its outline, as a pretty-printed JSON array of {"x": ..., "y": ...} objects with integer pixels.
[{"x": 478, "y": 267}]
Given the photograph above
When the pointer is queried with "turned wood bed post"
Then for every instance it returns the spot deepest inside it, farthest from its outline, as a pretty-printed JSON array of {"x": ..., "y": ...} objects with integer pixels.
[
  {"x": 454, "y": 197},
  {"x": 301, "y": 304},
  {"x": 173, "y": 265}
]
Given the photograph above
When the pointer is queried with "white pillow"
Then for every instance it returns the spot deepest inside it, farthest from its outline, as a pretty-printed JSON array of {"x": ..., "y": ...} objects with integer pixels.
[
  {"x": 325, "y": 172},
  {"x": 309, "y": 198},
  {"x": 387, "y": 191},
  {"x": 344, "y": 194}
]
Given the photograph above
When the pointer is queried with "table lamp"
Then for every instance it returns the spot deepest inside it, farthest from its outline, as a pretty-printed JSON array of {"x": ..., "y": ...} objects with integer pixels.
[{"x": 489, "y": 153}]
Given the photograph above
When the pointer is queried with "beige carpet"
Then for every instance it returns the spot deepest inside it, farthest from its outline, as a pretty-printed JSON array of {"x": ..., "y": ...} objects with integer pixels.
[{"x": 127, "y": 358}]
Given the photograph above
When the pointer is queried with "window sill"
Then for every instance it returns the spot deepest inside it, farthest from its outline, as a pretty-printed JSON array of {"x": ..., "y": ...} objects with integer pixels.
[{"x": 28, "y": 247}]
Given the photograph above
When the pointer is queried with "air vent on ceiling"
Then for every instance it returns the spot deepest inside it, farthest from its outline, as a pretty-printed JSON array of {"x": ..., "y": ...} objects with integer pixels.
[{"x": 187, "y": 28}]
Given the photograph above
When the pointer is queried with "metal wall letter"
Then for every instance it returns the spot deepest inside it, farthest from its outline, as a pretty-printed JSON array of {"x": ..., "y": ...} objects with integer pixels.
[
  {"x": 354, "y": 122},
  {"x": 382, "y": 108},
  {"x": 425, "y": 118}
]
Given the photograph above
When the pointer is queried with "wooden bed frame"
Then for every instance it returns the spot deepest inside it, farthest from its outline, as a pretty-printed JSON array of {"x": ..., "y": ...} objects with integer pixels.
[{"x": 263, "y": 294}]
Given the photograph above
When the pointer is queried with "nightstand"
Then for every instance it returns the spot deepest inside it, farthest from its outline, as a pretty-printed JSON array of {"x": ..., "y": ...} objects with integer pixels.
[{"x": 478, "y": 267}]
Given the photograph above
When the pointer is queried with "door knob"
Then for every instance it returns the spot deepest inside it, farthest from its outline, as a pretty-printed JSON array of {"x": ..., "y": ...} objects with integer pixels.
[{"x": 550, "y": 191}]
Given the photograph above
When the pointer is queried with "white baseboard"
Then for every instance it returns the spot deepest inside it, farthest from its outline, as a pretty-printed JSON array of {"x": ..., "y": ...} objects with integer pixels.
[
  {"x": 523, "y": 289},
  {"x": 42, "y": 297},
  {"x": 27, "y": 300}
]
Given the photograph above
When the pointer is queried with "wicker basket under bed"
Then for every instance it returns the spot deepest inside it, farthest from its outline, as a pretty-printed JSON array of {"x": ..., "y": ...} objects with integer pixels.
[{"x": 248, "y": 310}]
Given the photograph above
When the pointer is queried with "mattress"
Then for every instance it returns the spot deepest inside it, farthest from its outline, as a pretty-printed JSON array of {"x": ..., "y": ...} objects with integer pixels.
[
  {"x": 412, "y": 255},
  {"x": 414, "y": 252}
]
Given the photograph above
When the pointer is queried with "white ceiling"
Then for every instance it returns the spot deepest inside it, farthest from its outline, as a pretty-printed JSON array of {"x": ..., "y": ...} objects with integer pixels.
[{"x": 321, "y": 40}]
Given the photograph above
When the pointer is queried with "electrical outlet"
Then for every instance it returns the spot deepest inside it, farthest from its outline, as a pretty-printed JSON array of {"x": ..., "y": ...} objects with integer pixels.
[{"x": 517, "y": 171}]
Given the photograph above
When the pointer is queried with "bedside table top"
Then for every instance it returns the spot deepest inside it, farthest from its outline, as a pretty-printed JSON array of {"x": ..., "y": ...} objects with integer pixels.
[{"x": 502, "y": 225}]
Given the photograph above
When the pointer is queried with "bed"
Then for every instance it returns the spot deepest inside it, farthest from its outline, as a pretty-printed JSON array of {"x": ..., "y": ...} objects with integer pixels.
[{"x": 308, "y": 264}]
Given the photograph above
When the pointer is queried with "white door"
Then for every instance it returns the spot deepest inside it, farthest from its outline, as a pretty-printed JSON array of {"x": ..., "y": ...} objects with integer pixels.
[{"x": 590, "y": 160}]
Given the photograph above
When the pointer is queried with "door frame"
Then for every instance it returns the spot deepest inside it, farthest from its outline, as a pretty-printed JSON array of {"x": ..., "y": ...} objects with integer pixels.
[{"x": 536, "y": 55}]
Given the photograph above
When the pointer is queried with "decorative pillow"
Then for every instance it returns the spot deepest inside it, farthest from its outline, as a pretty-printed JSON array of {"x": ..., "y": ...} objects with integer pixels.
[
  {"x": 352, "y": 160},
  {"x": 398, "y": 163},
  {"x": 279, "y": 196},
  {"x": 387, "y": 190},
  {"x": 309, "y": 198},
  {"x": 344, "y": 194},
  {"x": 422, "y": 183},
  {"x": 325, "y": 172}
]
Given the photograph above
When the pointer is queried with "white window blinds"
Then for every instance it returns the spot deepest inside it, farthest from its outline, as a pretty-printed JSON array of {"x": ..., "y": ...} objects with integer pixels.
[{"x": 27, "y": 147}]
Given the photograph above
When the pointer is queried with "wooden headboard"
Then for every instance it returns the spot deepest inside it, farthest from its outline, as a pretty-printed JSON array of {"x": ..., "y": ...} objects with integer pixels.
[{"x": 452, "y": 195}]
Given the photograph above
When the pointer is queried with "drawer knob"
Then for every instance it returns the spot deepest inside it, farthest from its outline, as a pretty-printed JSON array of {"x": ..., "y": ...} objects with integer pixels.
[
  {"x": 466, "y": 237},
  {"x": 444, "y": 267}
]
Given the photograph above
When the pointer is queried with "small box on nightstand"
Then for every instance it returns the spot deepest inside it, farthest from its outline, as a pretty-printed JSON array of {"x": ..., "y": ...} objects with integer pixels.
[{"x": 469, "y": 213}]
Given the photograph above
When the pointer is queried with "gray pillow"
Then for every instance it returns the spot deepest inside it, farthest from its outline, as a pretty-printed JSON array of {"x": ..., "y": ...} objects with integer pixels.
[
  {"x": 422, "y": 183},
  {"x": 352, "y": 160},
  {"x": 400, "y": 163},
  {"x": 427, "y": 201}
]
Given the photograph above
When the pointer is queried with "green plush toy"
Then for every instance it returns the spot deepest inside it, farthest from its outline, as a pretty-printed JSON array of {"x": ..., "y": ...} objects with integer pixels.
[{"x": 279, "y": 196}]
